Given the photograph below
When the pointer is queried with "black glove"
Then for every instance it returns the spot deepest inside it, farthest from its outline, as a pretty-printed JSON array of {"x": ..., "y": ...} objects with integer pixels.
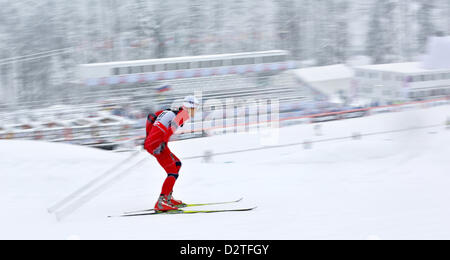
[{"x": 160, "y": 148}]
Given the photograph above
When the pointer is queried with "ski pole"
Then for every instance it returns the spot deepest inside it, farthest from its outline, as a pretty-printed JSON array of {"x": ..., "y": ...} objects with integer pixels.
[
  {"x": 91, "y": 183},
  {"x": 76, "y": 204}
]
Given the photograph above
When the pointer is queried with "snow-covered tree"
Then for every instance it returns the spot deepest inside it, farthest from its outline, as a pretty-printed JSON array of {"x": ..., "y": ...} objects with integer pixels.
[
  {"x": 342, "y": 18},
  {"x": 382, "y": 37},
  {"x": 331, "y": 29},
  {"x": 425, "y": 23},
  {"x": 289, "y": 26},
  {"x": 88, "y": 31}
]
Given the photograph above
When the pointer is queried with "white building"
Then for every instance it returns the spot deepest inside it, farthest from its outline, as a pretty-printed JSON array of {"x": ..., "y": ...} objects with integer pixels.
[
  {"x": 407, "y": 81},
  {"x": 332, "y": 82},
  {"x": 399, "y": 82}
]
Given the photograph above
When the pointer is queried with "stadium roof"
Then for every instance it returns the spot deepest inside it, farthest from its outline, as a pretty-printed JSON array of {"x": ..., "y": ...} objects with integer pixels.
[
  {"x": 325, "y": 73},
  {"x": 190, "y": 58},
  {"x": 405, "y": 68}
]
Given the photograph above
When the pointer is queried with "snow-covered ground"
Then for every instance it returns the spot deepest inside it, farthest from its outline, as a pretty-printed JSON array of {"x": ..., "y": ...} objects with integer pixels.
[{"x": 387, "y": 186}]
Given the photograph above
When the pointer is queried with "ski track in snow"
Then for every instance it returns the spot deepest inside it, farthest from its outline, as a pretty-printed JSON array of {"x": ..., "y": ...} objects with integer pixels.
[{"x": 389, "y": 186}]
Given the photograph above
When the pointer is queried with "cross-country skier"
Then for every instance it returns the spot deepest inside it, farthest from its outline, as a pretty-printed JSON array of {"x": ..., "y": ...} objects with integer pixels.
[{"x": 160, "y": 127}]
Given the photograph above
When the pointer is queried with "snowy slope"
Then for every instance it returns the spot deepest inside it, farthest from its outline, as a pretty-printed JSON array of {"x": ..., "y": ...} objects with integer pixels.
[{"x": 388, "y": 186}]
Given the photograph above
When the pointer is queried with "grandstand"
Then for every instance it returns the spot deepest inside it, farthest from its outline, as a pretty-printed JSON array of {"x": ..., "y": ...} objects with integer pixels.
[
  {"x": 248, "y": 77},
  {"x": 219, "y": 76}
]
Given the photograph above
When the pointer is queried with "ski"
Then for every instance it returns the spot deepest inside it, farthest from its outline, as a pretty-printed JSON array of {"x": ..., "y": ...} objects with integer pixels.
[
  {"x": 180, "y": 211},
  {"x": 188, "y": 205}
]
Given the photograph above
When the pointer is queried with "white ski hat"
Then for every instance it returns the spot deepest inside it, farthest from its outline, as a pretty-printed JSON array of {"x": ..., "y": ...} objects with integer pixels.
[{"x": 190, "y": 102}]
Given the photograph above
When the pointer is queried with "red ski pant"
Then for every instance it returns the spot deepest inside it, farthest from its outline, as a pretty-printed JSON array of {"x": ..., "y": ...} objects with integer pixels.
[{"x": 155, "y": 145}]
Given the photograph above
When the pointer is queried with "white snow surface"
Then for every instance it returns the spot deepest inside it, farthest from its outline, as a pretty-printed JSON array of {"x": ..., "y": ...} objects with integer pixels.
[{"x": 388, "y": 186}]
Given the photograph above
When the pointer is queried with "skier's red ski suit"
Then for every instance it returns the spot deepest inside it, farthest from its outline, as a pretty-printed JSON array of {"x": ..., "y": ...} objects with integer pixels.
[{"x": 160, "y": 127}]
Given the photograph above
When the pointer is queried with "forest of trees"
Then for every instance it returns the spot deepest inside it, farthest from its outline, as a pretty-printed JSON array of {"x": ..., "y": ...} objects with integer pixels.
[{"x": 42, "y": 41}]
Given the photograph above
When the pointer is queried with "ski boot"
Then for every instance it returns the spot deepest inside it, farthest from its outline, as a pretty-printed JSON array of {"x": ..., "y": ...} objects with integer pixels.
[
  {"x": 163, "y": 204},
  {"x": 175, "y": 203}
]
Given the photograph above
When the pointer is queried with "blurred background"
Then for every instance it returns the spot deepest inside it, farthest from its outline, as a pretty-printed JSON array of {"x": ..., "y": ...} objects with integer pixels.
[{"x": 89, "y": 71}]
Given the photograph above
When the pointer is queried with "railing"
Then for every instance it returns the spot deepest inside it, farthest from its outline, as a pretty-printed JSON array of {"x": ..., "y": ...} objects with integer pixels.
[{"x": 118, "y": 134}]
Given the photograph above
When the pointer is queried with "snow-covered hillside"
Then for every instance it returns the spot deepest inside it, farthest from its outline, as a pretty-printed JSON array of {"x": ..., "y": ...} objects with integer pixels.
[{"x": 388, "y": 186}]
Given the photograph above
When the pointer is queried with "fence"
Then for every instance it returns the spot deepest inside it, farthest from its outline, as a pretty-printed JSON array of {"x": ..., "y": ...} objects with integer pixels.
[{"x": 111, "y": 135}]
